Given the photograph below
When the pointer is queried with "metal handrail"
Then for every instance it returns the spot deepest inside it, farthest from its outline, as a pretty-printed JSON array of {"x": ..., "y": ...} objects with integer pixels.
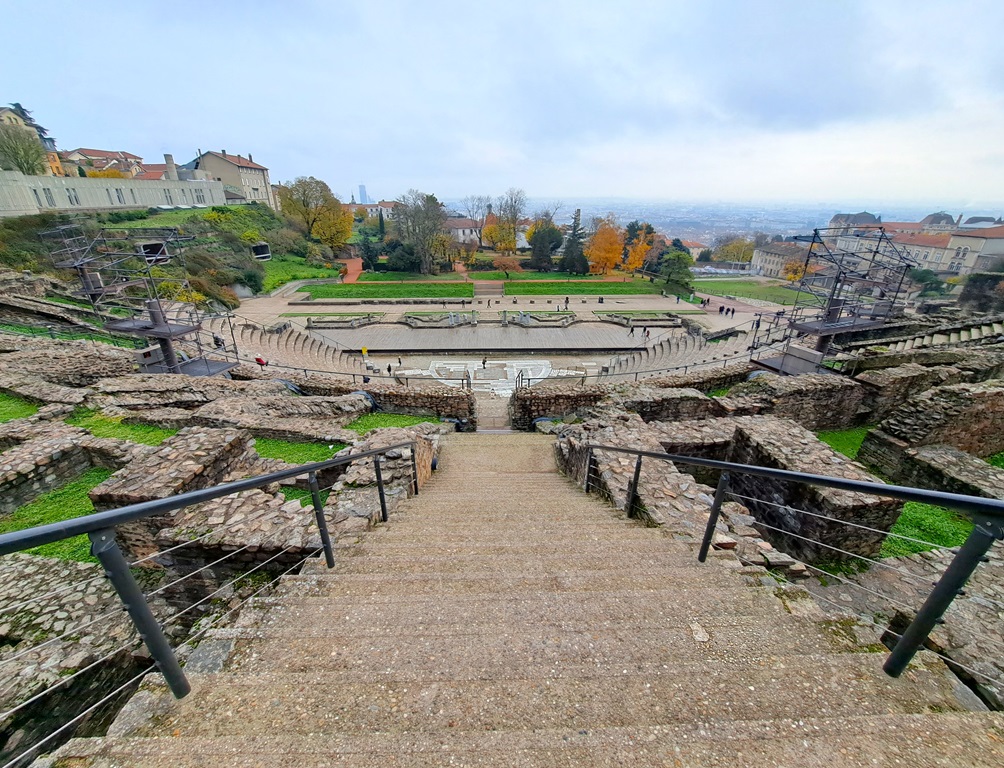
[
  {"x": 100, "y": 528},
  {"x": 987, "y": 514},
  {"x": 17, "y": 541}
]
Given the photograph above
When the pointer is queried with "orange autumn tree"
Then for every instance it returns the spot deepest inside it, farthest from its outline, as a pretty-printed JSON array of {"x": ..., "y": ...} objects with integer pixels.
[
  {"x": 638, "y": 251},
  {"x": 605, "y": 247},
  {"x": 794, "y": 270}
]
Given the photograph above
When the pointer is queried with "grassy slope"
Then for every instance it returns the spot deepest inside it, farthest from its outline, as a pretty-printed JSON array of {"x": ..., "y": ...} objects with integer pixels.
[
  {"x": 13, "y": 407},
  {"x": 106, "y": 426},
  {"x": 62, "y": 504},
  {"x": 937, "y": 525},
  {"x": 581, "y": 288}
]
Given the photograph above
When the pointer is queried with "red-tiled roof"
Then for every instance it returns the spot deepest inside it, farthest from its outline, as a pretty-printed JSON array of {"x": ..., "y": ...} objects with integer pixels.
[
  {"x": 692, "y": 244},
  {"x": 150, "y": 176},
  {"x": 108, "y": 155},
  {"x": 243, "y": 162},
  {"x": 990, "y": 233},
  {"x": 149, "y": 167},
  {"x": 939, "y": 240},
  {"x": 461, "y": 224},
  {"x": 899, "y": 226}
]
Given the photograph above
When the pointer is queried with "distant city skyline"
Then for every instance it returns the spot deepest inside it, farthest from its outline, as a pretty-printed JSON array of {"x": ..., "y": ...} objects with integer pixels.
[{"x": 897, "y": 102}]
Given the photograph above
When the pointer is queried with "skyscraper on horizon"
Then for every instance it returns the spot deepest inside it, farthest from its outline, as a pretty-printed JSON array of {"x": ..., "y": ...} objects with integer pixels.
[{"x": 363, "y": 198}]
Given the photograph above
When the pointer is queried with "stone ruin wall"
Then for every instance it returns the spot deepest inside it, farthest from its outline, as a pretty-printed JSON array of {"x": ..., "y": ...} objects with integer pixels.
[{"x": 968, "y": 417}]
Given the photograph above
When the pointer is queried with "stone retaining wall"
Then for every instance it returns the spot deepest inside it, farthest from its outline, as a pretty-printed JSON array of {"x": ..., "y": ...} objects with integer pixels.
[
  {"x": 195, "y": 458},
  {"x": 969, "y": 417},
  {"x": 769, "y": 442},
  {"x": 37, "y": 466},
  {"x": 816, "y": 401}
]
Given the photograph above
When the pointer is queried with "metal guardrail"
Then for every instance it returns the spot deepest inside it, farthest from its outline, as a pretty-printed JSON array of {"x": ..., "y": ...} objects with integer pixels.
[
  {"x": 987, "y": 516},
  {"x": 100, "y": 528}
]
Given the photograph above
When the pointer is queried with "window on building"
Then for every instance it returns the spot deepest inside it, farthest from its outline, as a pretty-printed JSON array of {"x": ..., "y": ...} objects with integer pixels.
[
  {"x": 184, "y": 195},
  {"x": 38, "y": 200},
  {"x": 133, "y": 193},
  {"x": 109, "y": 193},
  {"x": 167, "y": 197},
  {"x": 200, "y": 196},
  {"x": 120, "y": 196},
  {"x": 48, "y": 197},
  {"x": 72, "y": 196}
]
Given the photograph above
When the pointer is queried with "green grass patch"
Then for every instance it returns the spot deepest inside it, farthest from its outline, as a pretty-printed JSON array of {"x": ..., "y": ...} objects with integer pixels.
[
  {"x": 748, "y": 289},
  {"x": 100, "y": 425},
  {"x": 302, "y": 495},
  {"x": 65, "y": 503},
  {"x": 845, "y": 441},
  {"x": 556, "y": 288},
  {"x": 296, "y": 453},
  {"x": 997, "y": 460},
  {"x": 926, "y": 522},
  {"x": 284, "y": 269},
  {"x": 530, "y": 275},
  {"x": 369, "y": 421},
  {"x": 390, "y": 291},
  {"x": 14, "y": 407},
  {"x": 332, "y": 314},
  {"x": 70, "y": 335},
  {"x": 720, "y": 392},
  {"x": 407, "y": 277}
]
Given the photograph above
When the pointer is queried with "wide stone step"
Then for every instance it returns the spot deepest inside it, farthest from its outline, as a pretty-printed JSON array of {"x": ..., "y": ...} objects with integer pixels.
[
  {"x": 386, "y": 586},
  {"x": 600, "y": 561},
  {"x": 612, "y": 696},
  {"x": 499, "y": 652},
  {"x": 569, "y": 610},
  {"x": 948, "y": 739}
]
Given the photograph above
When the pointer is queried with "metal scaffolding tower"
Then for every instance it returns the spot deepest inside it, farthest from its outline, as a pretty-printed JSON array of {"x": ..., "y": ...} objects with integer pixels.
[
  {"x": 136, "y": 279},
  {"x": 849, "y": 283}
]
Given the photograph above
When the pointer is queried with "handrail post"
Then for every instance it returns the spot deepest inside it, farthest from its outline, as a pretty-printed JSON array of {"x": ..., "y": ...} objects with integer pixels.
[
  {"x": 322, "y": 525},
  {"x": 633, "y": 488},
  {"x": 383, "y": 498},
  {"x": 106, "y": 550},
  {"x": 966, "y": 560},
  {"x": 716, "y": 508},
  {"x": 590, "y": 468},
  {"x": 414, "y": 471}
]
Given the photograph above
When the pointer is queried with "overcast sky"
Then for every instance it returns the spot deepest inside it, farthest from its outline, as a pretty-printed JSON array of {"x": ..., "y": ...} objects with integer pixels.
[{"x": 804, "y": 101}]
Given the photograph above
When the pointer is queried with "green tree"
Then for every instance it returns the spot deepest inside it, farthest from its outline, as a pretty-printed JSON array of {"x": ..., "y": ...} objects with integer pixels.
[
  {"x": 676, "y": 269},
  {"x": 677, "y": 245},
  {"x": 705, "y": 255},
  {"x": 573, "y": 259},
  {"x": 544, "y": 240},
  {"x": 381, "y": 226},
  {"x": 420, "y": 219},
  {"x": 20, "y": 150},
  {"x": 305, "y": 199},
  {"x": 510, "y": 209}
]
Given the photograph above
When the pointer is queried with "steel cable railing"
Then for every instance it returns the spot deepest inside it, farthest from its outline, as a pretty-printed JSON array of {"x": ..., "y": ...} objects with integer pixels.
[
  {"x": 988, "y": 516},
  {"x": 193, "y": 586}
]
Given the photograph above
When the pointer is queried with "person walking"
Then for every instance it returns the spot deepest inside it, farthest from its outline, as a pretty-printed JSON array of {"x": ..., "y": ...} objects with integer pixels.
[
  {"x": 566, "y": 302},
  {"x": 389, "y": 369},
  {"x": 721, "y": 310},
  {"x": 630, "y": 328},
  {"x": 484, "y": 362}
]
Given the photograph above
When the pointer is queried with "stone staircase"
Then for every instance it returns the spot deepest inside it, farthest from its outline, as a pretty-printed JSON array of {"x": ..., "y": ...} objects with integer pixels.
[
  {"x": 503, "y": 618},
  {"x": 971, "y": 332},
  {"x": 291, "y": 348}
]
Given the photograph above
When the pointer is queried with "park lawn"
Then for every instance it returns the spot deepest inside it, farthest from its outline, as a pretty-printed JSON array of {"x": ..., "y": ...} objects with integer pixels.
[
  {"x": 556, "y": 288},
  {"x": 407, "y": 277},
  {"x": 845, "y": 441},
  {"x": 390, "y": 291},
  {"x": 332, "y": 314},
  {"x": 71, "y": 335},
  {"x": 530, "y": 275},
  {"x": 747, "y": 289},
  {"x": 284, "y": 269}
]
